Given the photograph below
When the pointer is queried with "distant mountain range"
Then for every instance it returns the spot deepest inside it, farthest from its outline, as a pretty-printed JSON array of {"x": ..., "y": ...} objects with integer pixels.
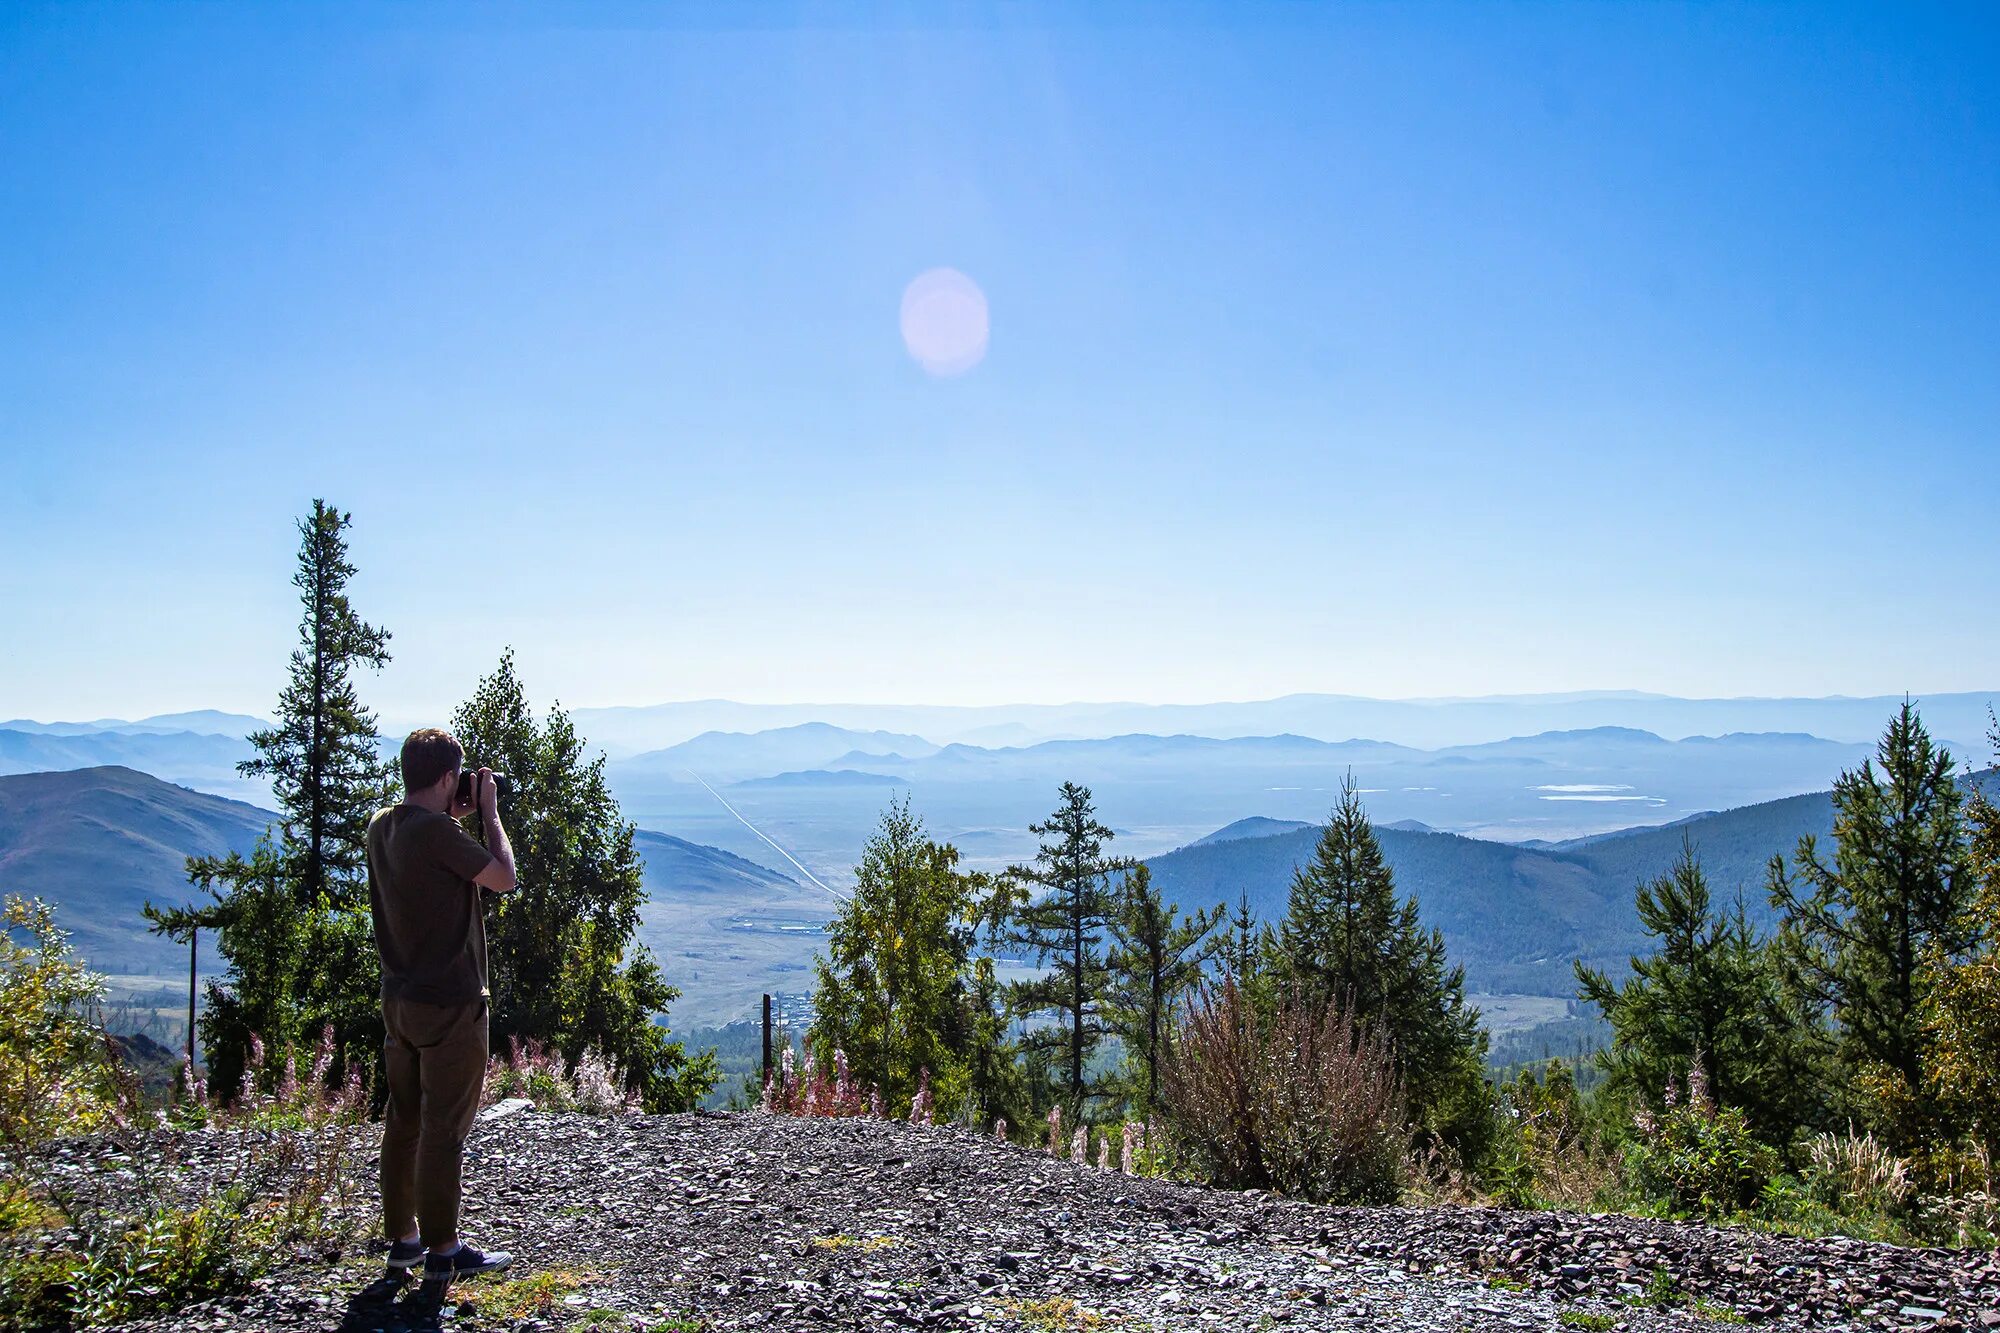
[
  {"x": 1161, "y": 792},
  {"x": 1424, "y": 723},
  {"x": 199, "y": 749},
  {"x": 1516, "y": 916},
  {"x": 729, "y": 755},
  {"x": 100, "y": 842},
  {"x": 203, "y": 721}
]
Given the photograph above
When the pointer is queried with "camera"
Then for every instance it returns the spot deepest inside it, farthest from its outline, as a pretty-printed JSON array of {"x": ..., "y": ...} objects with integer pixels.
[{"x": 503, "y": 786}]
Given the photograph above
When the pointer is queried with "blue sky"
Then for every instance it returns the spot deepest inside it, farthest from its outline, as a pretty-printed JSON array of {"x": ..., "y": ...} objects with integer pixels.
[{"x": 1393, "y": 350}]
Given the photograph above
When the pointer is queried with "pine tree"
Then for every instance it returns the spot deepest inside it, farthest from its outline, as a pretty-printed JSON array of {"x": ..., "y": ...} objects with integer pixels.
[
  {"x": 1346, "y": 940},
  {"x": 898, "y": 989},
  {"x": 1856, "y": 931},
  {"x": 1157, "y": 956},
  {"x": 1707, "y": 994},
  {"x": 1059, "y": 908},
  {"x": 1248, "y": 946},
  {"x": 563, "y": 964},
  {"x": 293, "y": 919}
]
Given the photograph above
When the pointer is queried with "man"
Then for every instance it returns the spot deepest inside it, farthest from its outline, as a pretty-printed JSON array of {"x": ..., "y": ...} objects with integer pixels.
[{"x": 426, "y": 878}]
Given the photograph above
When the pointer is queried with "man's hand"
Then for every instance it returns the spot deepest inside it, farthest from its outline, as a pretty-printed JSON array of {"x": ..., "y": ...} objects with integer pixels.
[
  {"x": 498, "y": 877},
  {"x": 460, "y": 809}
]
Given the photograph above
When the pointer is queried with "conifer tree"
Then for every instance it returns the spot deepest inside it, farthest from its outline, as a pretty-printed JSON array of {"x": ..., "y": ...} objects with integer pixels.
[
  {"x": 898, "y": 989},
  {"x": 1157, "y": 955},
  {"x": 1961, "y": 1010},
  {"x": 1706, "y": 995},
  {"x": 1248, "y": 946},
  {"x": 1857, "y": 930},
  {"x": 563, "y": 964},
  {"x": 1346, "y": 940},
  {"x": 292, "y": 919},
  {"x": 1059, "y": 906}
]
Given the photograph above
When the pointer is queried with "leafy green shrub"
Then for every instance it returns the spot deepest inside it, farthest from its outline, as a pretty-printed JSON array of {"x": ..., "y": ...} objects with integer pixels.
[{"x": 1701, "y": 1158}]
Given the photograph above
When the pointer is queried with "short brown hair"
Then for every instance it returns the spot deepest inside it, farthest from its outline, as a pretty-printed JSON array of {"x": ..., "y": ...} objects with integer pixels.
[{"x": 429, "y": 754}]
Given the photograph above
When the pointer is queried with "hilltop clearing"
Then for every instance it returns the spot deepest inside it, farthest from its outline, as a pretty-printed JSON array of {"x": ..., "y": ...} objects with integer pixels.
[{"x": 751, "y": 1221}]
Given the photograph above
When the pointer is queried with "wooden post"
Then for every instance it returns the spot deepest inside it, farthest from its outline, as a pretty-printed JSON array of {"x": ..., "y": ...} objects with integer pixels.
[
  {"x": 194, "y": 944},
  {"x": 767, "y": 1038}
]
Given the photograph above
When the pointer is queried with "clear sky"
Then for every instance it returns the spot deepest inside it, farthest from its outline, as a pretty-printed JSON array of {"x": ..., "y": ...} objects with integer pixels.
[{"x": 1393, "y": 350}]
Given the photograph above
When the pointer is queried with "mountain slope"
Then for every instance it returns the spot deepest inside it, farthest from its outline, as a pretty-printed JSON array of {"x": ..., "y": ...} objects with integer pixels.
[
  {"x": 1515, "y": 915},
  {"x": 100, "y": 842}
]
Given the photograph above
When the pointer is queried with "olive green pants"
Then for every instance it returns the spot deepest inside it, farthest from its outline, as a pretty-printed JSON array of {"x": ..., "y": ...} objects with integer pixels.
[{"x": 436, "y": 1059}]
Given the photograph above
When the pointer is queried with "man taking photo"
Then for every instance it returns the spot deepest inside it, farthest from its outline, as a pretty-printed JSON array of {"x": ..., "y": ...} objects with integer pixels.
[{"x": 426, "y": 878}]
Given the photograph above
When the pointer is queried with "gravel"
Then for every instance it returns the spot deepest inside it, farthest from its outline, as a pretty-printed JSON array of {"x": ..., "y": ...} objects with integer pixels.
[{"x": 750, "y": 1221}]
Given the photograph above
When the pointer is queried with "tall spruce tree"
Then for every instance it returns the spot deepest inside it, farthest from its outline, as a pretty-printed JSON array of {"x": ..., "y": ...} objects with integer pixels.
[
  {"x": 1347, "y": 940},
  {"x": 1707, "y": 994},
  {"x": 564, "y": 967},
  {"x": 899, "y": 990},
  {"x": 293, "y": 918},
  {"x": 1157, "y": 955},
  {"x": 1857, "y": 930},
  {"x": 1058, "y": 910}
]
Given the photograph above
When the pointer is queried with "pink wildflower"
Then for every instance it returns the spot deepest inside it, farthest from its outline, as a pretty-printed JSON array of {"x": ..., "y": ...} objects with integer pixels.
[
  {"x": 920, "y": 1105},
  {"x": 1079, "y": 1146},
  {"x": 875, "y": 1104},
  {"x": 1000, "y": 1129},
  {"x": 1055, "y": 1131},
  {"x": 1126, "y": 1150},
  {"x": 323, "y": 1057},
  {"x": 1104, "y": 1152},
  {"x": 1698, "y": 1085}
]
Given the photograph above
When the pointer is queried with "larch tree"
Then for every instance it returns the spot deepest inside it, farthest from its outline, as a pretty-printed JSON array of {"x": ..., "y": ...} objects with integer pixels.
[{"x": 897, "y": 986}]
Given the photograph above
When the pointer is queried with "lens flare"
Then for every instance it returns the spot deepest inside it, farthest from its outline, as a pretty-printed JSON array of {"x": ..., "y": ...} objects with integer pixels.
[{"x": 944, "y": 322}]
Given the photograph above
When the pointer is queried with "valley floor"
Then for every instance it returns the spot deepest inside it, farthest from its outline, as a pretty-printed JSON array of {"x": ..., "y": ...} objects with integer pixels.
[{"x": 718, "y": 1222}]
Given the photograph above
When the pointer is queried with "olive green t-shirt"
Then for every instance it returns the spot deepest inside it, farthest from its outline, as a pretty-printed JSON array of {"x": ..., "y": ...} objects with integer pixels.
[{"x": 429, "y": 923}]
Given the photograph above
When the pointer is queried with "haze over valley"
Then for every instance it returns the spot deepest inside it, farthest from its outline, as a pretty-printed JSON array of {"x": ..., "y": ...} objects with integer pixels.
[{"x": 1523, "y": 849}]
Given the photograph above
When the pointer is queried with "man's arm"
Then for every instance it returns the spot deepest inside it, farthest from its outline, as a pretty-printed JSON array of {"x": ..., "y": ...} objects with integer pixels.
[{"x": 498, "y": 877}]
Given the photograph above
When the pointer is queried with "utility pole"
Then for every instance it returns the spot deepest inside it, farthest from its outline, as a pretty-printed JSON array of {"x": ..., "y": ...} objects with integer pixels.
[
  {"x": 194, "y": 945},
  {"x": 767, "y": 1038}
]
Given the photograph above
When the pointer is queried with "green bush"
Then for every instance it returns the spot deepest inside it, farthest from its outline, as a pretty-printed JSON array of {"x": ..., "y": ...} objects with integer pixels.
[{"x": 1701, "y": 1158}]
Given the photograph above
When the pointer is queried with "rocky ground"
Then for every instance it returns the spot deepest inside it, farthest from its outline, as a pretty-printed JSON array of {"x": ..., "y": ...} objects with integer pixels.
[{"x": 671, "y": 1224}]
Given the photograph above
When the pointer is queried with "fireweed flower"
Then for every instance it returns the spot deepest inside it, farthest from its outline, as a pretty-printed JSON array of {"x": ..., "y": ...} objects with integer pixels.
[
  {"x": 920, "y": 1105},
  {"x": 1055, "y": 1131},
  {"x": 1125, "y": 1151},
  {"x": 1104, "y": 1152},
  {"x": 1079, "y": 1146},
  {"x": 1000, "y": 1129},
  {"x": 323, "y": 1057}
]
